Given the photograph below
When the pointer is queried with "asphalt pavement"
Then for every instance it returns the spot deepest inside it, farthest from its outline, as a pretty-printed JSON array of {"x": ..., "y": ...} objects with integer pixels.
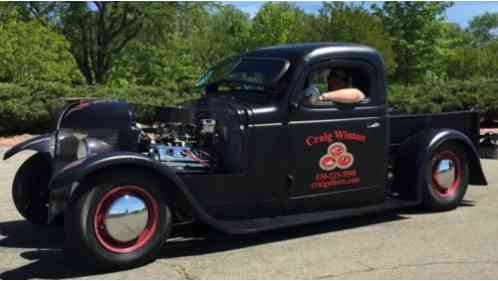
[{"x": 406, "y": 244}]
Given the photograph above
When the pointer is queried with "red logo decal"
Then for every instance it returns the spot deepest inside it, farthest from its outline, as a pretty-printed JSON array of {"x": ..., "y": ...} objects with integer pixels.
[
  {"x": 336, "y": 149},
  {"x": 327, "y": 162},
  {"x": 337, "y": 156}
]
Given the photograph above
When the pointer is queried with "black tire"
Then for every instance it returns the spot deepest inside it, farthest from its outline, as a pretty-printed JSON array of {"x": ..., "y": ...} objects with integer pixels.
[
  {"x": 85, "y": 241},
  {"x": 30, "y": 189},
  {"x": 437, "y": 198}
]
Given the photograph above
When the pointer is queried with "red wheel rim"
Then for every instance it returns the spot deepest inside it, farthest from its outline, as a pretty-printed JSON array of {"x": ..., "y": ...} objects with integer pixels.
[
  {"x": 101, "y": 233},
  {"x": 448, "y": 191}
]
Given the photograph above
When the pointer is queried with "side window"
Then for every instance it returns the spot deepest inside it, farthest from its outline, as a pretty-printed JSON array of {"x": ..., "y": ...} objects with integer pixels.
[
  {"x": 318, "y": 78},
  {"x": 325, "y": 82}
]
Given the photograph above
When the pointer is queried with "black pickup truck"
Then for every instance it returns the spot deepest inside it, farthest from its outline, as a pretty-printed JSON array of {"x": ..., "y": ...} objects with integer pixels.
[{"x": 251, "y": 154}]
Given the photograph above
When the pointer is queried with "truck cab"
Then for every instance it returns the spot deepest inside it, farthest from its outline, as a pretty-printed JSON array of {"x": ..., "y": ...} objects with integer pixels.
[{"x": 289, "y": 138}]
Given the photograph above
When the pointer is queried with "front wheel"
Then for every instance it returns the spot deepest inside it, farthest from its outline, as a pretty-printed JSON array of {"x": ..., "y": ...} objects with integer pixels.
[
  {"x": 121, "y": 222},
  {"x": 30, "y": 189},
  {"x": 447, "y": 175}
]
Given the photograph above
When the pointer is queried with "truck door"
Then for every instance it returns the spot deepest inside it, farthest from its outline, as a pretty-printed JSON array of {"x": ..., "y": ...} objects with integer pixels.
[{"x": 339, "y": 151}]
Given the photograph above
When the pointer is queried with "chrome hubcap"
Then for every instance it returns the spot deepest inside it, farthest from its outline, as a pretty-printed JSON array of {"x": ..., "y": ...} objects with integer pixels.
[
  {"x": 445, "y": 173},
  {"x": 126, "y": 218}
]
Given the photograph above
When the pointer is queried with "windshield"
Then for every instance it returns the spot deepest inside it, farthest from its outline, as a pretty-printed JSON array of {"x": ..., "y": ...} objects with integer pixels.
[{"x": 260, "y": 71}]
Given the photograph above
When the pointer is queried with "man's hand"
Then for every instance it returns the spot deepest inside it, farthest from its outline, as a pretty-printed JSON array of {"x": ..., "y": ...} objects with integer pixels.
[{"x": 351, "y": 95}]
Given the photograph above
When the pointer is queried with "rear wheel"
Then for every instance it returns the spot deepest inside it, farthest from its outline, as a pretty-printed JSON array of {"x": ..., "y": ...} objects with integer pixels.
[
  {"x": 122, "y": 221},
  {"x": 446, "y": 178},
  {"x": 30, "y": 189}
]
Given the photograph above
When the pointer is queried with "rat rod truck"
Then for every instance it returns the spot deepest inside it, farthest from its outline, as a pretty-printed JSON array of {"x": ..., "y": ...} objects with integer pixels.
[{"x": 250, "y": 155}]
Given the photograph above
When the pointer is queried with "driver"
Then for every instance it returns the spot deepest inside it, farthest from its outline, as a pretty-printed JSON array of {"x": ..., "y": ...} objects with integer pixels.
[{"x": 337, "y": 90}]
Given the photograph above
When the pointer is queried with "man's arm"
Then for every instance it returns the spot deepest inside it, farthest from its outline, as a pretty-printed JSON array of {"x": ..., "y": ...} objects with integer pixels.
[{"x": 350, "y": 95}]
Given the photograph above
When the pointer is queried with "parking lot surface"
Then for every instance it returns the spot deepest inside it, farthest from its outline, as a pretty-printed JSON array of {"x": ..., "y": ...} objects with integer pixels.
[{"x": 394, "y": 245}]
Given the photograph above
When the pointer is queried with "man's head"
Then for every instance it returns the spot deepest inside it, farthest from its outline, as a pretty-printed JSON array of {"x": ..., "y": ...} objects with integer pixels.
[{"x": 337, "y": 79}]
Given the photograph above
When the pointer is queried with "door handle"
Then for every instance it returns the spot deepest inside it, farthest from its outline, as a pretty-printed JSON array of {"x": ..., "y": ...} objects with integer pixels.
[
  {"x": 373, "y": 125},
  {"x": 293, "y": 106}
]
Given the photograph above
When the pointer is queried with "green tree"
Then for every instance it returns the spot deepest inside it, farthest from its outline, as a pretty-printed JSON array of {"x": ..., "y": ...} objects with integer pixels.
[
  {"x": 484, "y": 27},
  {"x": 97, "y": 31},
  {"x": 229, "y": 32},
  {"x": 170, "y": 50},
  {"x": 338, "y": 21},
  {"x": 414, "y": 28},
  {"x": 8, "y": 11},
  {"x": 448, "y": 58},
  {"x": 143, "y": 63},
  {"x": 473, "y": 52},
  {"x": 98, "y": 35},
  {"x": 278, "y": 23},
  {"x": 30, "y": 51}
]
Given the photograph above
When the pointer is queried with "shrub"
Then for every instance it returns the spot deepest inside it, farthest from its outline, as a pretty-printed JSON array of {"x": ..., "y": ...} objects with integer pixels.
[
  {"x": 31, "y": 107},
  {"x": 481, "y": 95}
]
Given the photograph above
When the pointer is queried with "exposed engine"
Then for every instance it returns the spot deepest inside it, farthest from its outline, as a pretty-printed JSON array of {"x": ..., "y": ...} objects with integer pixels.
[
  {"x": 205, "y": 137},
  {"x": 183, "y": 146}
]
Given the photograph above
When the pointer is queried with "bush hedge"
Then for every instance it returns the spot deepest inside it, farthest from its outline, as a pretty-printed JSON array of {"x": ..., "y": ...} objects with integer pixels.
[
  {"x": 31, "y": 107},
  {"x": 442, "y": 96}
]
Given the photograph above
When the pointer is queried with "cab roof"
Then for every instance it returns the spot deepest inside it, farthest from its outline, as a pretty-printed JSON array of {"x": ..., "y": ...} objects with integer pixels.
[{"x": 304, "y": 52}]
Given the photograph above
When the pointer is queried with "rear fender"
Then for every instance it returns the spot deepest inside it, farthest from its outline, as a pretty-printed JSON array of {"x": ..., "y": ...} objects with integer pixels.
[
  {"x": 66, "y": 181},
  {"x": 415, "y": 152},
  {"x": 40, "y": 144},
  {"x": 476, "y": 176}
]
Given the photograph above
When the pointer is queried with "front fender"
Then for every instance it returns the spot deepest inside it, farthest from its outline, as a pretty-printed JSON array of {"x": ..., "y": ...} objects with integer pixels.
[
  {"x": 77, "y": 170},
  {"x": 39, "y": 144},
  {"x": 64, "y": 182}
]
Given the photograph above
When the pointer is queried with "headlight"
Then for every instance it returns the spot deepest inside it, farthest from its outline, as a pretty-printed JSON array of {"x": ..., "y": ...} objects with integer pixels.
[
  {"x": 71, "y": 145},
  {"x": 51, "y": 144},
  {"x": 83, "y": 149},
  {"x": 91, "y": 146},
  {"x": 66, "y": 146}
]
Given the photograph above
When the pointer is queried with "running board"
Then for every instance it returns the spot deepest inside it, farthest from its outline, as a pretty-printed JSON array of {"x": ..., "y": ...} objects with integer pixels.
[{"x": 264, "y": 224}]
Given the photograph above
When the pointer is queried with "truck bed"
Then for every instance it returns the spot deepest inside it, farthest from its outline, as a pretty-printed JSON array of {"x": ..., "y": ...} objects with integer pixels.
[{"x": 404, "y": 126}]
